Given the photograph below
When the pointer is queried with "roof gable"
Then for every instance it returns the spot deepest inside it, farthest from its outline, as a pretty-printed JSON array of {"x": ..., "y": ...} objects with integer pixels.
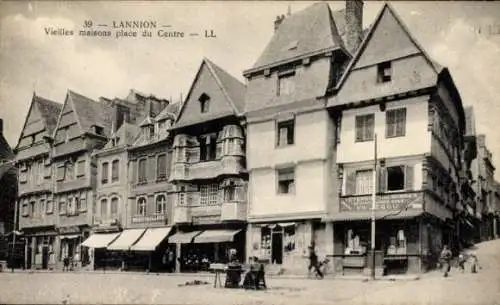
[
  {"x": 294, "y": 36},
  {"x": 49, "y": 111},
  {"x": 124, "y": 136},
  {"x": 90, "y": 113},
  {"x": 224, "y": 93}
]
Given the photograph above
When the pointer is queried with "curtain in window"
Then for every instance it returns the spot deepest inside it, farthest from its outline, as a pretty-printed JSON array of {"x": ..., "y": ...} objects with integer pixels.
[
  {"x": 141, "y": 206},
  {"x": 161, "y": 169},
  {"x": 283, "y": 136},
  {"x": 115, "y": 170}
]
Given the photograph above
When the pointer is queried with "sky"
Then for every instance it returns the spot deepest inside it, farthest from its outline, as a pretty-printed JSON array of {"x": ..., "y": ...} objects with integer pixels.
[{"x": 464, "y": 36}]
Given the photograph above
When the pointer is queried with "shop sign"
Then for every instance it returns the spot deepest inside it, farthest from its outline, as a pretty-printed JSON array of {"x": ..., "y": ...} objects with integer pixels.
[
  {"x": 69, "y": 230},
  {"x": 206, "y": 219},
  {"x": 383, "y": 202}
]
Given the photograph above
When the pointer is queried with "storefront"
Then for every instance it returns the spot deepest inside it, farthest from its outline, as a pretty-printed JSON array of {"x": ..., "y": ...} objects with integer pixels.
[
  {"x": 201, "y": 246},
  {"x": 153, "y": 252},
  {"x": 41, "y": 249},
  {"x": 118, "y": 254},
  {"x": 70, "y": 239},
  {"x": 95, "y": 247}
]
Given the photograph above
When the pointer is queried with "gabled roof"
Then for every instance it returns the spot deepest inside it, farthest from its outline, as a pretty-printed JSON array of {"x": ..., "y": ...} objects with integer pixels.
[
  {"x": 169, "y": 112},
  {"x": 233, "y": 91},
  {"x": 49, "y": 110},
  {"x": 308, "y": 31},
  {"x": 387, "y": 9},
  {"x": 89, "y": 113},
  {"x": 125, "y": 135}
]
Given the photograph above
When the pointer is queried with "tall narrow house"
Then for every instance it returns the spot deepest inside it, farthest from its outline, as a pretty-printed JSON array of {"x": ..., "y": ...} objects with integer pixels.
[
  {"x": 83, "y": 125},
  {"x": 290, "y": 134},
  {"x": 395, "y": 100},
  {"x": 209, "y": 168},
  {"x": 37, "y": 218}
]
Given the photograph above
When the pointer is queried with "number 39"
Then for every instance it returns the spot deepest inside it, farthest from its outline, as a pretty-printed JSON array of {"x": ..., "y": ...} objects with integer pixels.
[{"x": 87, "y": 23}]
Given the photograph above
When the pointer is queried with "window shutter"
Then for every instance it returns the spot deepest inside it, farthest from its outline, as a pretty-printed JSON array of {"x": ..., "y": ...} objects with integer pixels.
[
  {"x": 382, "y": 180},
  {"x": 350, "y": 188},
  {"x": 369, "y": 125},
  {"x": 409, "y": 177},
  {"x": 389, "y": 124},
  {"x": 359, "y": 128}
]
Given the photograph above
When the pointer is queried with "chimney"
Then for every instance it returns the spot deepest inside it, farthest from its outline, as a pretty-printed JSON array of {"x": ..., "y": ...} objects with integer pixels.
[
  {"x": 278, "y": 21},
  {"x": 354, "y": 24},
  {"x": 1, "y": 127}
]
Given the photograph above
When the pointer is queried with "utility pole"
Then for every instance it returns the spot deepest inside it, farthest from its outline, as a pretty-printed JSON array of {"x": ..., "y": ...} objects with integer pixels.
[
  {"x": 14, "y": 232},
  {"x": 374, "y": 206}
]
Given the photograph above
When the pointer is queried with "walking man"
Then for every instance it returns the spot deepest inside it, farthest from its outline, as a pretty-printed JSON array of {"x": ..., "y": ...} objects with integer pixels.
[
  {"x": 313, "y": 262},
  {"x": 445, "y": 259}
]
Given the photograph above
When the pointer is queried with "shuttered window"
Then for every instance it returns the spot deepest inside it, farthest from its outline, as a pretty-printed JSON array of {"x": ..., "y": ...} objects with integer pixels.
[
  {"x": 364, "y": 182},
  {"x": 365, "y": 127},
  {"x": 115, "y": 171},
  {"x": 395, "y": 123}
]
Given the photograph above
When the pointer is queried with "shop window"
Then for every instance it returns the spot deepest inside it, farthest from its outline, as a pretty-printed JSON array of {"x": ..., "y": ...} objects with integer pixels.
[
  {"x": 115, "y": 171},
  {"x": 384, "y": 72},
  {"x": 395, "y": 178},
  {"x": 208, "y": 147},
  {"x": 104, "y": 208},
  {"x": 141, "y": 206},
  {"x": 204, "y": 103},
  {"x": 289, "y": 244},
  {"x": 161, "y": 168},
  {"x": 114, "y": 207},
  {"x": 286, "y": 181},
  {"x": 104, "y": 172},
  {"x": 286, "y": 133},
  {"x": 142, "y": 175},
  {"x": 364, "y": 182},
  {"x": 286, "y": 84},
  {"x": 354, "y": 243},
  {"x": 62, "y": 208},
  {"x": 395, "y": 123},
  {"x": 397, "y": 244},
  {"x": 161, "y": 204},
  {"x": 365, "y": 127}
]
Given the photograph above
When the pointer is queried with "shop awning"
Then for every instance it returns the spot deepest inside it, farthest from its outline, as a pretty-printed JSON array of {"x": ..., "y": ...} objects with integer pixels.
[
  {"x": 99, "y": 240},
  {"x": 281, "y": 224},
  {"x": 126, "y": 239},
  {"x": 71, "y": 236},
  {"x": 183, "y": 237},
  {"x": 151, "y": 239},
  {"x": 379, "y": 215},
  {"x": 216, "y": 236}
]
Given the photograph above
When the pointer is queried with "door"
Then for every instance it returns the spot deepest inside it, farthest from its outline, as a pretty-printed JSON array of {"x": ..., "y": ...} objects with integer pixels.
[
  {"x": 45, "y": 257},
  {"x": 277, "y": 248}
]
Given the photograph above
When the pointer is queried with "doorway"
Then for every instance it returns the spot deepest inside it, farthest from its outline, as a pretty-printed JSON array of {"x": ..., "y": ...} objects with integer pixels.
[
  {"x": 45, "y": 257},
  {"x": 277, "y": 248}
]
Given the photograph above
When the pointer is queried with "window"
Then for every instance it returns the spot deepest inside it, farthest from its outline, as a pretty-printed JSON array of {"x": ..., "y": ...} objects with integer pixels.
[
  {"x": 142, "y": 171},
  {"x": 204, "y": 103},
  {"x": 395, "y": 123},
  {"x": 62, "y": 207},
  {"x": 82, "y": 202},
  {"x": 286, "y": 133},
  {"x": 49, "y": 207},
  {"x": 141, "y": 206},
  {"x": 395, "y": 178},
  {"x": 80, "y": 168},
  {"x": 161, "y": 204},
  {"x": 99, "y": 130},
  {"x": 70, "y": 171},
  {"x": 384, "y": 72},
  {"x": 364, "y": 127},
  {"x": 161, "y": 168},
  {"x": 286, "y": 84},
  {"x": 208, "y": 147},
  {"x": 181, "y": 197},
  {"x": 364, "y": 182},
  {"x": 209, "y": 194},
  {"x": 115, "y": 171},
  {"x": 78, "y": 205},
  {"x": 286, "y": 181},
  {"x": 230, "y": 192},
  {"x": 114, "y": 207},
  {"x": 42, "y": 207},
  {"x": 71, "y": 208},
  {"x": 104, "y": 208},
  {"x": 104, "y": 173},
  {"x": 151, "y": 132},
  {"x": 32, "y": 208},
  {"x": 61, "y": 170},
  {"x": 25, "y": 209}
]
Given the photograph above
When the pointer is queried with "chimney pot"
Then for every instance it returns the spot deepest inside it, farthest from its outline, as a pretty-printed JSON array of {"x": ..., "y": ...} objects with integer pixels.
[{"x": 278, "y": 21}]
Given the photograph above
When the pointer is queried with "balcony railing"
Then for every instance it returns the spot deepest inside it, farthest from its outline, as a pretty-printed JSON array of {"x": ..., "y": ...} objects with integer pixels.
[{"x": 149, "y": 218}]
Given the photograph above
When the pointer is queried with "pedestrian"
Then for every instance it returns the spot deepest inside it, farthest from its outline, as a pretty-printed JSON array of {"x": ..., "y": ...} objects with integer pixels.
[
  {"x": 65, "y": 263},
  {"x": 462, "y": 258},
  {"x": 313, "y": 262},
  {"x": 445, "y": 259},
  {"x": 474, "y": 262}
]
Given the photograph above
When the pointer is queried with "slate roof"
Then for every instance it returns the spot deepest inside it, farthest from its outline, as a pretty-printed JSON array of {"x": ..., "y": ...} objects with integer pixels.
[
  {"x": 90, "y": 112},
  {"x": 126, "y": 135},
  {"x": 170, "y": 111},
  {"x": 50, "y": 112},
  {"x": 233, "y": 88},
  {"x": 310, "y": 31}
]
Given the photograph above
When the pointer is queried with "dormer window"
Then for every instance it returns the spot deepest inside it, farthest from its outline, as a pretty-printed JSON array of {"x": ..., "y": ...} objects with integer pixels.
[
  {"x": 384, "y": 72},
  {"x": 99, "y": 130},
  {"x": 204, "y": 103}
]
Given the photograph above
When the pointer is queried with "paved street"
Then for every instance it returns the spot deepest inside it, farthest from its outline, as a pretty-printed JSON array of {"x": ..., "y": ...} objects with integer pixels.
[{"x": 481, "y": 288}]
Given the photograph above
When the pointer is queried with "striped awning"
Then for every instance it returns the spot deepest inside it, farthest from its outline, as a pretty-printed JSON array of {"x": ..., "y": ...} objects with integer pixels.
[
  {"x": 151, "y": 239},
  {"x": 126, "y": 239}
]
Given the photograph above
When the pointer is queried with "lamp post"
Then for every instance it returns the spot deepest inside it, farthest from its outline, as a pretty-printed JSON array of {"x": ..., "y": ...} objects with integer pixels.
[{"x": 374, "y": 206}]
